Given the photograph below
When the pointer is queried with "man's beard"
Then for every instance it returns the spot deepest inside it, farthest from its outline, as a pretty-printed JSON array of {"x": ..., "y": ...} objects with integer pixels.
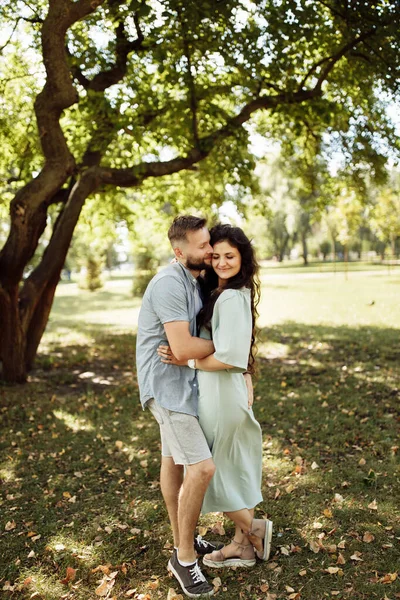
[{"x": 198, "y": 265}]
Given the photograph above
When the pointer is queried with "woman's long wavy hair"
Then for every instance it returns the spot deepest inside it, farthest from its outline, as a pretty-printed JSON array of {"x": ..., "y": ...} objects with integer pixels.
[{"x": 247, "y": 277}]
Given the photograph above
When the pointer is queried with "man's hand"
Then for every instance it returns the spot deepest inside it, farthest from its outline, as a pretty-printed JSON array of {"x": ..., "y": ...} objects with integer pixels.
[
  {"x": 167, "y": 357},
  {"x": 250, "y": 391}
]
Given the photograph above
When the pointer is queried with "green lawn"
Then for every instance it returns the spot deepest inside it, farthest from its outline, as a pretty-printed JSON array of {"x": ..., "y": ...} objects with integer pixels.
[{"x": 79, "y": 459}]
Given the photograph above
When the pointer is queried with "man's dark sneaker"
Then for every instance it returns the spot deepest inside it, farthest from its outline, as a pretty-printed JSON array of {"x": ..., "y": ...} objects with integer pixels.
[
  {"x": 203, "y": 547},
  {"x": 191, "y": 579}
]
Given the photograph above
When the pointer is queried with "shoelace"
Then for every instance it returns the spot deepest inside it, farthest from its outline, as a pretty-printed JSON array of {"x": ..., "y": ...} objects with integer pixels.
[
  {"x": 201, "y": 542},
  {"x": 196, "y": 573}
]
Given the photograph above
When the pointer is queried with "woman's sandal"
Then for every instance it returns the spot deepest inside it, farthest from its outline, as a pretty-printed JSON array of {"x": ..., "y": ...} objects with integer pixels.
[
  {"x": 244, "y": 558},
  {"x": 261, "y": 529}
]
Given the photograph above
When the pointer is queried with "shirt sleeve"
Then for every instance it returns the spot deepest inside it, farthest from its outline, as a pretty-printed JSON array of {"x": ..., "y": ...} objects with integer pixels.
[
  {"x": 169, "y": 299},
  {"x": 232, "y": 328}
]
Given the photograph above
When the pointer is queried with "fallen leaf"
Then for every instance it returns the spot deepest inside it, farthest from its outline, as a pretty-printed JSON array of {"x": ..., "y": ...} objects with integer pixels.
[
  {"x": 130, "y": 593},
  {"x": 172, "y": 595},
  {"x": 119, "y": 444},
  {"x": 218, "y": 528},
  {"x": 342, "y": 545},
  {"x": 362, "y": 462},
  {"x": 303, "y": 572},
  {"x": 217, "y": 582},
  {"x": 314, "y": 466},
  {"x": 341, "y": 560},
  {"x": 104, "y": 587},
  {"x": 59, "y": 547},
  {"x": 27, "y": 581},
  {"x": 289, "y": 589},
  {"x": 294, "y": 596},
  {"x": 388, "y": 578},
  {"x": 202, "y": 531},
  {"x": 264, "y": 587},
  {"x": 285, "y": 551},
  {"x": 373, "y": 505},
  {"x": 66, "y": 495},
  {"x": 356, "y": 556},
  {"x": 153, "y": 585},
  {"x": 144, "y": 463},
  {"x": 317, "y": 525},
  {"x": 105, "y": 569},
  {"x": 31, "y": 554},
  {"x": 315, "y": 547},
  {"x": 368, "y": 537},
  {"x": 338, "y": 498},
  {"x": 328, "y": 513},
  {"x": 69, "y": 576},
  {"x": 332, "y": 570},
  {"x": 10, "y": 525}
]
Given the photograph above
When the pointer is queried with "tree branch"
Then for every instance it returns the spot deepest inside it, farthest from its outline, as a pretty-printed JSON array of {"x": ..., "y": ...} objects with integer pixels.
[
  {"x": 349, "y": 46},
  {"x": 133, "y": 176},
  {"x": 334, "y": 58},
  {"x": 105, "y": 79},
  {"x": 190, "y": 79}
]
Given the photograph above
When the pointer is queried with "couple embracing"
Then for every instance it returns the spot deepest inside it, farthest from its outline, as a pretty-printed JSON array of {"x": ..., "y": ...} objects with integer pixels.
[{"x": 195, "y": 357}]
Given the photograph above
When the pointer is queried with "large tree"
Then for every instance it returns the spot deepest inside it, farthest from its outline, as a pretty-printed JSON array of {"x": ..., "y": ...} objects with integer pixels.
[{"x": 146, "y": 88}]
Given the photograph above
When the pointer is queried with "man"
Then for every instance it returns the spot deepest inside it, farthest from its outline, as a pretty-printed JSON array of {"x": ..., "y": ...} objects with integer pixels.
[{"x": 168, "y": 316}]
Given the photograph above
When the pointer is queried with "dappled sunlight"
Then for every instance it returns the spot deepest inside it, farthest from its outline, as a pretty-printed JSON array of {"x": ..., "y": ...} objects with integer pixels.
[
  {"x": 73, "y": 422},
  {"x": 7, "y": 471}
]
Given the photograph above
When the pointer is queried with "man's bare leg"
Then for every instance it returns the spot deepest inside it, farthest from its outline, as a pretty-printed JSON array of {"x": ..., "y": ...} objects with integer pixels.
[
  {"x": 191, "y": 496},
  {"x": 171, "y": 478}
]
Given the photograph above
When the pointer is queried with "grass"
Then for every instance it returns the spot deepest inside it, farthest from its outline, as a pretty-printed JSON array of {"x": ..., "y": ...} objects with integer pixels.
[{"x": 79, "y": 460}]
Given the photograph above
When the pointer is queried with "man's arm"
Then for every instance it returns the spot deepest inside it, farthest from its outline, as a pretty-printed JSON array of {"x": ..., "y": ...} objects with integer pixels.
[{"x": 183, "y": 344}]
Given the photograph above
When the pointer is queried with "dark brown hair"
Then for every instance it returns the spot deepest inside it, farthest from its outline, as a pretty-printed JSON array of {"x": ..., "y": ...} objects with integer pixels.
[
  {"x": 247, "y": 277},
  {"x": 181, "y": 225}
]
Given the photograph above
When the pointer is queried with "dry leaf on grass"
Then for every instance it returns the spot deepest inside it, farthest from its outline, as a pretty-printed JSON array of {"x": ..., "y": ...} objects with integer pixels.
[
  {"x": 356, "y": 556},
  {"x": 373, "y": 505},
  {"x": 388, "y": 578},
  {"x": 217, "y": 582},
  {"x": 218, "y": 528},
  {"x": 315, "y": 546},
  {"x": 69, "y": 576},
  {"x": 202, "y": 530},
  {"x": 368, "y": 537},
  {"x": 172, "y": 595},
  {"x": 341, "y": 560},
  {"x": 10, "y": 525},
  {"x": 332, "y": 570}
]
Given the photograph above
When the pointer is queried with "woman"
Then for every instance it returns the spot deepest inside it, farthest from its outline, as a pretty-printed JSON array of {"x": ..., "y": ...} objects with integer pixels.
[{"x": 232, "y": 432}]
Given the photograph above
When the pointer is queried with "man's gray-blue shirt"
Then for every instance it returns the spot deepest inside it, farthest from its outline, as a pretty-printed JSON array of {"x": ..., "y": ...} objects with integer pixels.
[{"x": 172, "y": 295}]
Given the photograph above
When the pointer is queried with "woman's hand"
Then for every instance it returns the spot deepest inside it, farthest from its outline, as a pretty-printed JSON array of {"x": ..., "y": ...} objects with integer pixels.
[
  {"x": 167, "y": 357},
  {"x": 250, "y": 391}
]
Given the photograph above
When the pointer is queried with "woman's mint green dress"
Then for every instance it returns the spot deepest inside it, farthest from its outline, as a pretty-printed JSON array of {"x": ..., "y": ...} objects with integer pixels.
[{"x": 232, "y": 432}]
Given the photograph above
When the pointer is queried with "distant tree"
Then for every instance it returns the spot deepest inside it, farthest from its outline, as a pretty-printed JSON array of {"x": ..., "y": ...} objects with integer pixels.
[{"x": 385, "y": 218}]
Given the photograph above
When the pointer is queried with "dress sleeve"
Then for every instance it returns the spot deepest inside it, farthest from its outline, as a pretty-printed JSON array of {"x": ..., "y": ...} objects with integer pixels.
[
  {"x": 232, "y": 328},
  {"x": 170, "y": 300}
]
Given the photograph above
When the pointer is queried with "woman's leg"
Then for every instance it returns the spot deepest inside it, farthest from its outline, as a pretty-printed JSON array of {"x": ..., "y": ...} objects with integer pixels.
[{"x": 240, "y": 551}]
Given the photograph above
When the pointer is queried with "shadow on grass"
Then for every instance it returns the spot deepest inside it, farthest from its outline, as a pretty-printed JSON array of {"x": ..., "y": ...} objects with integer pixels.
[{"x": 80, "y": 462}]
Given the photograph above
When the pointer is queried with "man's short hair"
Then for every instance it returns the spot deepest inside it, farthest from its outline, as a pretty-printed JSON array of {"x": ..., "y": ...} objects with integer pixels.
[{"x": 181, "y": 225}]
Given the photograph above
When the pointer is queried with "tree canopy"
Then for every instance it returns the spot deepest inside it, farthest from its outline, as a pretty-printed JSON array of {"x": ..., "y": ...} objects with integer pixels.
[{"x": 101, "y": 95}]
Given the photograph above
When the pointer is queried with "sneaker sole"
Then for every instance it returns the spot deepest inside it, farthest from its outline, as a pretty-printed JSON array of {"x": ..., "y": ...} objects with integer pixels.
[
  {"x": 175, "y": 574},
  {"x": 230, "y": 562}
]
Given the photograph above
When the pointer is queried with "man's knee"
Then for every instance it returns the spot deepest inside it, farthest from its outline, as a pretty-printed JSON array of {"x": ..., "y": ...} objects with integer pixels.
[{"x": 203, "y": 470}]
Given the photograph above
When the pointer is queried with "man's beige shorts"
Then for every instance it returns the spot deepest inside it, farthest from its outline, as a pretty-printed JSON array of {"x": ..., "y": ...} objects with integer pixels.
[{"x": 181, "y": 436}]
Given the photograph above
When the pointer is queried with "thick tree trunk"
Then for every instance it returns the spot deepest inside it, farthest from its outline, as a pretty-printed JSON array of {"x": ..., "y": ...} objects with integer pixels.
[
  {"x": 12, "y": 339},
  {"x": 24, "y": 313}
]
